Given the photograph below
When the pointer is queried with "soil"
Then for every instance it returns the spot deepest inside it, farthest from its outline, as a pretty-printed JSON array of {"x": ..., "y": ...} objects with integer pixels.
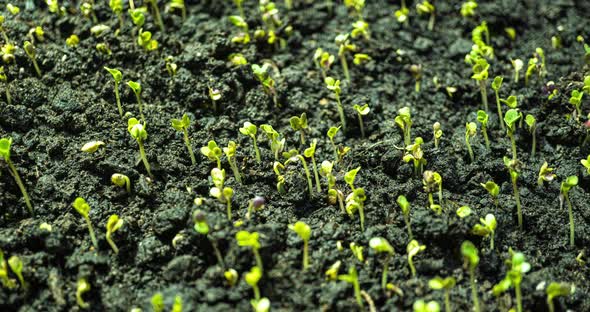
[{"x": 50, "y": 118}]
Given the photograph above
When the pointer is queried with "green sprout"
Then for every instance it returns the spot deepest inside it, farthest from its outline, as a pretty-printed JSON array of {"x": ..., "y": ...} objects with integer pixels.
[
  {"x": 137, "y": 17},
  {"x": 471, "y": 259},
  {"x": 82, "y": 287},
  {"x": 344, "y": 46},
  {"x": 138, "y": 132},
  {"x": 103, "y": 48},
  {"x": 7, "y": 51},
  {"x": 533, "y": 66},
  {"x": 404, "y": 205},
  {"x": 514, "y": 169},
  {"x": 494, "y": 191},
  {"x": 231, "y": 276},
  {"x": 31, "y": 53},
  {"x": 355, "y": 201},
  {"x": 304, "y": 231},
  {"x": 88, "y": 11},
  {"x": 214, "y": 95},
  {"x": 157, "y": 302},
  {"x": 566, "y": 186},
  {"x": 4, "y": 79},
  {"x": 334, "y": 85},
  {"x": 3, "y": 30},
  {"x": 483, "y": 118},
  {"x": 437, "y": 133},
  {"x": 361, "y": 58},
  {"x": 463, "y": 212},
  {"x": 6, "y": 281},
  {"x": 416, "y": 72},
  {"x": 331, "y": 134},
  {"x": 545, "y": 174},
  {"x": 332, "y": 272},
  {"x": 213, "y": 152},
  {"x": 247, "y": 239},
  {"x": 586, "y": 163},
  {"x": 202, "y": 227},
  {"x": 445, "y": 284},
  {"x": 357, "y": 251},
  {"x": 121, "y": 180},
  {"x": 480, "y": 73},
  {"x": 183, "y": 125},
  {"x": 413, "y": 249},
  {"x": 518, "y": 267},
  {"x": 532, "y": 123},
  {"x": 171, "y": 67},
  {"x": 333, "y": 193},
  {"x": 401, "y": 15},
  {"x": 83, "y": 209},
  {"x": 424, "y": 8},
  {"x": 113, "y": 224},
  {"x": 576, "y": 101},
  {"x": 360, "y": 28},
  {"x": 470, "y": 132},
  {"x": 352, "y": 278},
  {"x": 136, "y": 88},
  {"x": 117, "y": 8},
  {"x": 432, "y": 182},
  {"x": 178, "y": 5},
  {"x": 381, "y": 245},
  {"x": 5, "y": 144},
  {"x": 252, "y": 279},
  {"x": 468, "y": 8},
  {"x": 511, "y": 117},
  {"x": 323, "y": 61},
  {"x": 558, "y": 290},
  {"x": 260, "y": 305},
  {"x": 496, "y": 84},
  {"x": 299, "y": 124},
  {"x": 361, "y": 111},
  {"x": 404, "y": 121},
  {"x": 415, "y": 154},
  {"x": 16, "y": 265},
  {"x": 117, "y": 77},
  {"x": 230, "y": 153},
  {"x": 243, "y": 37},
  {"x": 92, "y": 146},
  {"x": 250, "y": 130},
  {"x": 221, "y": 192},
  {"x": 157, "y": 16},
  {"x": 310, "y": 153},
  {"x": 422, "y": 306},
  {"x": 293, "y": 156},
  {"x": 277, "y": 167},
  {"x": 350, "y": 176},
  {"x": 255, "y": 204},
  {"x": 517, "y": 64},
  {"x": 276, "y": 144},
  {"x": 486, "y": 228},
  {"x": 262, "y": 74}
]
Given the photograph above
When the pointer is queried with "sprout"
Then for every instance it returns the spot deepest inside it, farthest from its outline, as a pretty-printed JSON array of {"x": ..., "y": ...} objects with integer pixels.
[
  {"x": 333, "y": 193},
  {"x": 255, "y": 204},
  {"x": 83, "y": 209},
  {"x": 214, "y": 95},
  {"x": 496, "y": 84},
  {"x": 82, "y": 287},
  {"x": 518, "y": 65},
  {"x": 566, "y": 186},
  {"x": 103, "y": 48},
  {"x": 277, "y": 167},
  {"x": 299, "y": 124},
  {"x": 446, "y": 284},
  {"x": 223, "y": 194},
  {"x": 436, "y": 133},
  {"x": 113, "y": 224},
  {"x": 31, "y": 53},
  {"x": 171, "y": 67},
  {"x": 511, "y": 117},
  {"x": 471, "y": 259},
  {"x": 413, "y": 249},
  {"x": 486, "y": 228},
  {"x": 401, "y": 15},
  {"x": 483, "y": 118},
  {"x": 230, "y": 153},
  {"x": 586, "y": 164},
  {"x": 361, "y": 111},
  {"x": 304, "y": 231},
  {"x": 518, "y": 267},
  {"x": 381, "y": 245},
  {"x": 350, "y": 176},
  {"x": 136, "y": 88},
  {"x": 7, "y": 51},
  {"x": 463, "y": 212},
  {"x": 157, "y": 302},
  {"x": 88, "y": 11},
  {"x": 202, "y": 227},
  {"x": 532, "y": 123},
  {"x": 250, "y": 130},
  {"x": 276, "y": 145},
  {"x": 144, "y": 40},
  {"x": 556, "y": 290},
  {"x": 121, "y": 180},
  {"x": 260, "y": 305},
  {"x": 545, "y": 174},
  {"x": 137, "y": 16},
  {"x": 268, "y": 84},
  {"x": 357, "y": 251},
  {"x": 117, "y": 77},
  {"x": 310, "y": 153},
  {"x": 213, "y": 152},
  {"x": 177, "y": 304},
  {"x": 427, "y": 8},
  {"x": 344, "y": 46},
  {"x": 415, "y": 153},
  {"x": 5, "y": 144},
  {"x": 355, "y": 201},
  {"x": 360, "y": 28},
  {"x": 470, "y": 132},
  {"x": 92, "y": 146},
  {"x": 331, "y": 134},
  {"x": 422, "y": 306},
  {"x": 6, "y": 281},
  {"x": 432, "y": 182},
  {"x": 404, "y": 205},
  {"x": 480, "y": 73},
  {"x": 334, "y": 85},
  {"x": 16, "y": 265},
  {"x": 183, "y": 125},
  {"x": 231, "y": 276},
  {"x": 292, "y": 156},
  {"x": 117, "y": 8},
  {"x": 576, "y": 101},
  {"x": 252, "y": 279},
  {"x": 494, "y": 191},
  {"x": 247, "y": 239},
  {"x": 4, "y": 79},
  {"x": 514, "y": 169},
  {"x": 138, "y": 132},
  {"x": 332, "y": 272},
  {"x": 157, "y": 17},
  {"x": 352, "y": 278},
  {"x": 468, "y": 8},
  {"x": 323, "y": 61},
  {"x": 531, "y": 68},
  {"x": 404, "y": 121}
]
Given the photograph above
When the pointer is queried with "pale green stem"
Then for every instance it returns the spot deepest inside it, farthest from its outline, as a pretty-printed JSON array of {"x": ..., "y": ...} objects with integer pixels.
[
  {"x": 118, "y": 98},
  {"x": 187, "y": 142},
  {"x": 518, "y": 297},
  {"x": 534, "y": 148},
  {"x": 571, "y": 217},
  {"x": 500, "y": 115},
  {"x": 484, "y": 94},
  {"x": 256, "y": 149},
  {"x": 341, "y": 112},
  {"x": 384, "y": 274},
  {"x": 361, "y": 124},
  {"x": 473, "y": 289},
  {"x": 258, "y": 259},
  {"x": 229, "y": 209},
  {"x": 469, "y": 148},
  {"x": 234, "y": 168},
  {"x": 484, "y": 130},
  {"x": 21, "y": 186},
  {"x": 448, "y": 300},
  {"x": 113, "y": 245},
  {"x": 157, "y": 15},
  {"x": 91, "y": 230},
  {"x": 408, "y": 226},
  {"x": 140, "y": 104},
  {"x": 144, "y": 159},
  {"x": 345, "y": 67},
  {"x": 305, "y": 255},
  {"x": 517, "y": 198},
  {"x": 315, "y": 173}
]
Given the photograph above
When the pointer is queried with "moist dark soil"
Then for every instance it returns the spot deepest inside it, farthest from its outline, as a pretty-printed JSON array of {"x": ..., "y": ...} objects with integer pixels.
[{"x": 51, "y": 117}]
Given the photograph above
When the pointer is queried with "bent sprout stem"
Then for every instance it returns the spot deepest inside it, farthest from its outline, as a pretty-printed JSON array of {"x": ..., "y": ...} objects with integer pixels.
[
  {"x": 91, "y": 230},
  {"x": 20, "y": 184},
  {"x": 144, "y": 158}
]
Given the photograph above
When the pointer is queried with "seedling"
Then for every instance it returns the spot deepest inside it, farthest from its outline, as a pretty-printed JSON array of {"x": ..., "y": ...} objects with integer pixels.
[
  {"x": 231, "y": 276},
  {"x": 545, "y": 174},
  {"x": 214, "y": 95},
  {"x": 360, "y": 28},
  {"x": 117, "y": 8},
  {"x": 83, "y": 209},
  {"x": 355, "y": 201},
  {"x": 350, "y": 176},
  {"x": 332, "y": 273},
  {"x": 230, "y": 153},
  {"x": 404, "y": 121},
  {"x": 268, "y": 84},
  {"x": 483, "y": 118},
  {"x": 276, "y": 144},
  {"x": 138, "y": 132},
  {"x": 213, "y": 152},
  {"x": 323, "y": 61},
  {"x": 277, "y": 167},
  {"x": 103, "y": 48},
  {"x": 6, "y": 281},
  {"x": 261, "y": 305},
  {"x": 357, "y": 251},
  {"x": 136, "y": 88},
  {"x": 31, "y": 53},
  {"x": 171, "y": 67},
  {"x": 16, "y": 265},
  {"x": 404, "y": 205},
  {"x": 445, "y": 284},
  {"x": 299, "y": 124},
  {"x": 113, "y": 224},
  {"x": 533, "y": 66},
  {"x": 310, "y": 153},
  {"x": 471, "y": 259},
  {"x": 468, "y": 8},
  {"x": 247, "y": 239},
  {"x": 117, "y": 77},
  {"x": 5, "y": 144},
  {"x": 416, "y": 72},
  {"x": 3, "y": 30},
  {"x": 352, "y": 278},
  {"x": 4, "y": 79},
  {"x": 255, "y": 204},
  {"x": 331, "y": 134},
  {"x": 88, "y": 11},
  {"x": 7, "y": 51},
  {"x": 556, "y": 290},
  {"x": 413, "y": 249},
  {"x": 361, "y": 59},
  {"x": 333, "y": 193},
  {"x": 221, "y": 192},
  {"x": 293, "y": 156},
  {"x": 514, "y": 169},
  {"x": 432, "y": 182},
  {"x": 415, "y": 154},
  {"x": 494, "y": 191},
  {"x": 250, "y": 130},
  {"x": 334, "y": 85},
  {"x": 243, "y": 37},
  {"x": 426, "y": 8},
  {"x": 381, "y": 245},
  {"x": 82, "y": 287},
  {"x": 304, "y": 231},
  {"x": 576, "y": 101},
  {"x": 496, "y": 84},
  {"x": 532, "y": 123},
  {"x": 361, "y": 111},
  {"x": 423, "y": 306},
  {"x": 511, "y": 117},
  {"x": 566, "y": 186},
  {"x": 486, "y": 228},
  {"x": 463, "y": 212},
  {"x": 480, "y": 74},
  {"x": 401, "y": 15},
  {"x": 518, "y": 267},
  {"x": 183, "y": 125},
  {"x": 470, "y": 132},
  {"x": 344, "y": 47},
  {"x": 121, "y": 180},
  {"x": 437, "y": 133},
  {"x": 202, "y": 227}
]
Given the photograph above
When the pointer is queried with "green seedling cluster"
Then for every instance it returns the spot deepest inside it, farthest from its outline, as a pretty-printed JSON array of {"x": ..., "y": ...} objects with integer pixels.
[{"x": 517, "y": 267}]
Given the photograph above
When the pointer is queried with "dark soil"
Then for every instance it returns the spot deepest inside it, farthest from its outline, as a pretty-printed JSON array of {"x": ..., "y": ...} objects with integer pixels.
[{"x": 52, "y": 117}]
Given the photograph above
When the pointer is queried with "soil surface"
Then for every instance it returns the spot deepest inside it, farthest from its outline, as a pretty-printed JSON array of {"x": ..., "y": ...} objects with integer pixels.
[{"x": 52, "y": 117}]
